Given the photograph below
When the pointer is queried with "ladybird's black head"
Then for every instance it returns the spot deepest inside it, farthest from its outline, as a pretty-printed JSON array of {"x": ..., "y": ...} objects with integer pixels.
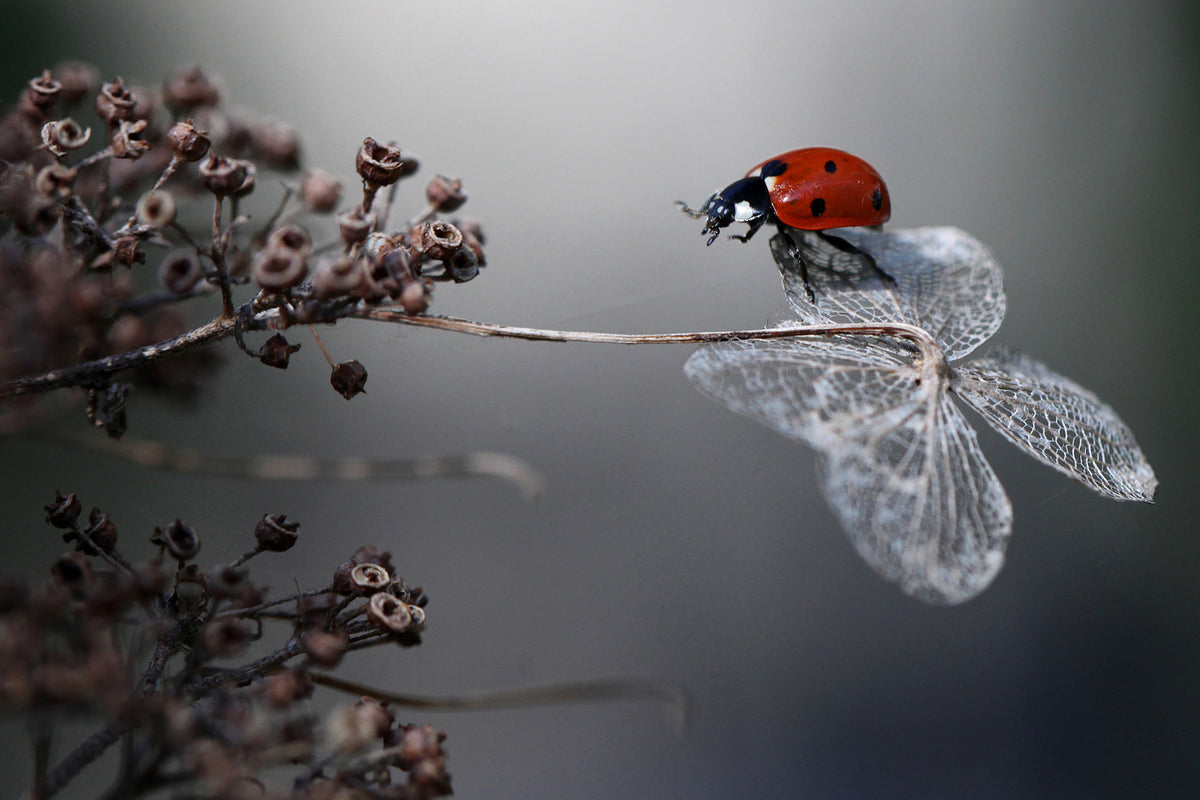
[{"x": 746, "y": 200}]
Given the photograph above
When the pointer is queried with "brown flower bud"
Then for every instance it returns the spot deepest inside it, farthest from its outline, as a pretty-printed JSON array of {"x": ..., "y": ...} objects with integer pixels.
[
  {"x": 437, "y": 240},
  {"x": 190, "y": 88},
  {"x": 349, "y": 729},
  {"x": 444, "y": 194},
  {"x": 78, "y": 80},
  {"x": 156, "y": 209},
  {"x": 320, "y": 191},
  {"x": 229, "y": 582},
  {"x": 127, "y": 141},
  {"x": 64, "y": 135},
  {"x": 349, "y": 379},
  {"x": 290, "y": 237},
  {"x": 64, "y": 511},
  {"x": 191, "y": 590},
  {"x": 180, "y": 272},
  {"x": 367, "y": 554},
  {"x": 179, "y": 539},
  {"x": 128, "y": 252},
  {"x": 286, "y": 687},
  {"x": 275, "y": 533},
  {"x": 341, "y": 276},
  {"x": 276, "y": 143},
  {"x": 223, "y": 176},
  {"x": 188, "y": 143},
  {"x": 115, "y": 103},
  {"x": 324, "y": 648},
  {"x": 418, "y": 743},
  {"x": 73, "y": 572},
  {"x": 380, "y": 164},
  {"x": 388, "y": 613}
]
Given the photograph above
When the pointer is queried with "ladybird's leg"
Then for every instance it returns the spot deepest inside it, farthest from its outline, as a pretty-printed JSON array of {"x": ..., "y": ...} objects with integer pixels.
[
  {"x": 843, "y": 246},
  {"x": 753, "y": 229},
  {"x": 796, "y": 256}
]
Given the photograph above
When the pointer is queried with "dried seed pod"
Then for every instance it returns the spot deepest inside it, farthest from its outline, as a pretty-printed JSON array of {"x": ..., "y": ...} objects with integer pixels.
[
  {"x": 190, "y": 88},
  {"x": 415, "y": 295},
  {"x": 64, "y": 135},
  {"x": 156, "y": 209},
  {"x": 101, "y": 530},
  {"x": 276, "y": 269},
  {"x": 127, "y": 141},
  {"x": 223, "y": 176},
  {"x": 418, "y": 617},
  {"x": 355, "y": 225},
  {"x": 340, "y": 276},
  {"x": 41, "y": 95},
  {"x": 388, "y": 613},
  {"x": 445, "y": 194},
  {"x": 349, "y": 379},
  {"x": 64, "y": 511},
  {"x": 115, "y": 103},
  {"x": 56, "y": 181},
  {"x": 187, "y": 142},
  {"x": 180, "y": 272},
  {"x": 77, "y": 79},
  {"x": 324, "y": 648},
  {"x": 369, "y": 578},
  {"x": 462, "y": 266},
  {"x": 179, "y": 539},
  {"x": 290, "y": 237},
  {"x": 437, "y": 240},
  {"x": 275, "y": 533},
  {"x": 320, "y": 191},
  {"x": 224, "y": 637},
  {"x": 381, "y": 164},
  {"x": 276, "y": 143},
  {"x": 277, "y": 352}
]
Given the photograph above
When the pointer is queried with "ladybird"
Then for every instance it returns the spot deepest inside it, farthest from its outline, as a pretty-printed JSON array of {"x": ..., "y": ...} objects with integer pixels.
[{"x": 811, "y": 189}]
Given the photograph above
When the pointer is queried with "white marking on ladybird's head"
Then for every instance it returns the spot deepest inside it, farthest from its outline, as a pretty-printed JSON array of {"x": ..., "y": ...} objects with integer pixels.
[{"x": 744, "y": 212}]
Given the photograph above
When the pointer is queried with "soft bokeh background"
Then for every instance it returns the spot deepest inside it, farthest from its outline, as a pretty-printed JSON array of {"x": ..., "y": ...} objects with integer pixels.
[{"x": 678, "y": 541}]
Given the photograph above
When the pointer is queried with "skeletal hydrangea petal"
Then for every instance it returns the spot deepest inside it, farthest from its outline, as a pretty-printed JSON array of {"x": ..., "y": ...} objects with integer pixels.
[
  {"x": 1056, "y": 421},
  {"x": 946, "y": 282}
]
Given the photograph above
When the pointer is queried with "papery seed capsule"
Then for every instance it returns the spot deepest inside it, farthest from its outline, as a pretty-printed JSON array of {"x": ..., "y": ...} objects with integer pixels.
[
  {"x": 115, "y": 103},
  {"x": 388, "y": 613},
  {"x": 187, "y": 142}
]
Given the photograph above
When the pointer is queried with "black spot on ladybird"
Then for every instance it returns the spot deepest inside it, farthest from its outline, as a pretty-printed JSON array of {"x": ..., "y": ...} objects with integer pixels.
[
  {"x": 830, "y": 166},
  {"x": 818, "y": 206},
  {"x": 876, "y": 199},
  {"x": 773, "y": 169}
]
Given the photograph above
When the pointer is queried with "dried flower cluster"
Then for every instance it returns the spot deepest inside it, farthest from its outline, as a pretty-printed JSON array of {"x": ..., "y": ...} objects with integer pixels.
[
  {"x": 101, "y": 239},
  {"x": 162, "y": 651}
]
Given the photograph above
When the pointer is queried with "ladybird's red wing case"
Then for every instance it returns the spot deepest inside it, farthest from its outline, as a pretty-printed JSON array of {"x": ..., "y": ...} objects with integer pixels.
[{"x": 816, "y": 188}]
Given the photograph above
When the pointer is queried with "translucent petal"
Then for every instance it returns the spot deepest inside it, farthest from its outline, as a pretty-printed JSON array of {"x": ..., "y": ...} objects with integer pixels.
[
  {"x": 946, "y": 282},
  {"x": 898, "y": 463},
  {"x": 1056, "y": 421}
]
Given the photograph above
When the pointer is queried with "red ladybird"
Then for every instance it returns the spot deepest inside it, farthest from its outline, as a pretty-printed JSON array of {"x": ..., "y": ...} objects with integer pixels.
[{"x": 811, "y": 189}]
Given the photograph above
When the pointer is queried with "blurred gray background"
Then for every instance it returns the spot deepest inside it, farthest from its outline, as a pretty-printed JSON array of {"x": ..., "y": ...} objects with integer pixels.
[{"x": 678, "y": 541}]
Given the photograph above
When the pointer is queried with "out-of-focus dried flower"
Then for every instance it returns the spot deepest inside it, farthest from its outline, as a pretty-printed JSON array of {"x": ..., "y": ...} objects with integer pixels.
[
  {"x": 156, "y": 209},
  {"x": 56, "y": 181},
  {"x": 223, "y": 176},
  {"x": 127, "y": 251},
  {"x": 277, "y": 352},
  {"x": 101, "y": 530},
  {"x": 64, "y": 135},
  {"x": 389, "y": 613},
  {"x": 349, "y": 729},
  {"x": 444, "y": 194},
  {"x": 180, "y": 272},
  {"x": 355, "y": 225},
  {"x": 115, "y": 103},
  {"x": 64, "y": 511},
  {"x": 180, "y": 540},
  {"x": 127, "y": 141},
  {"x": 276, "y": 143},
  {"x": 145, "y": 101},
  {"x": 290, "y": 237},
  {"x": 190, "y": 88},
  {"x": 325, "y": 648},
  {"x": 340, "y": 276},
  {"x": 228, "y": 582},
  {"x": 187, "y": 142},
  {"x": 224, "y": 637},
  {"x": 320, "y": 191},
  {"x": 418, "y": 617},
  {"x": 419, "y": 742},
  {"x": 368, "y": 554},
  {"x": 77, "y": 79},
  {"x": 462, "y": 266},
  {"x": 40, "y": 97},
  {"x": 286, "y": 687},
  {"x": 275, "y": 533},
  {"x": 277, "y": 268},
  {"x": 414, "y": 296},
  {"x": 191, "y": 590},
  {"x": 349, "y": 379},
  {"x": 72, "y": 571}
]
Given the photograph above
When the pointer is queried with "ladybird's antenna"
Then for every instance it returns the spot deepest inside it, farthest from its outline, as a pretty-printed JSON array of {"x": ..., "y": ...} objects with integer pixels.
[{"x": 691, "y": 212}]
